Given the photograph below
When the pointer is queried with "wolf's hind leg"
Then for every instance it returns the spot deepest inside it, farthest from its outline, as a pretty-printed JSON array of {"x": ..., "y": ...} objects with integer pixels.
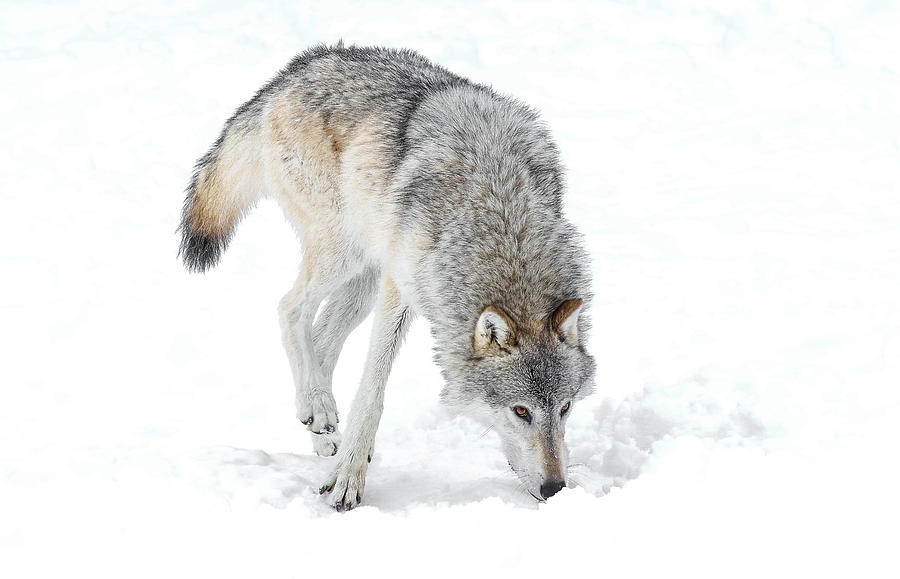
[
  {"x": 345, "y": 309},
  {"x": 318, "y": 277},
  {"x": 392, "y": 317}
]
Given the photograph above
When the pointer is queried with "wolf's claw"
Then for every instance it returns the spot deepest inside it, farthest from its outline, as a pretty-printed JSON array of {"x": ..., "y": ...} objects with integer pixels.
[
  {"x": 318, "y": 411},
  {"x": 348, "y": 481},
  {"x": 326, "y": 444}
]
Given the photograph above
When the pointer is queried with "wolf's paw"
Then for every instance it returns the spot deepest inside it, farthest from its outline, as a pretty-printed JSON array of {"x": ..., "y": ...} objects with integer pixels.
[
  {"x": 318, "y": 412},
  {"x": 347, "y": 482},
  {"x": 326, "y": 444}
]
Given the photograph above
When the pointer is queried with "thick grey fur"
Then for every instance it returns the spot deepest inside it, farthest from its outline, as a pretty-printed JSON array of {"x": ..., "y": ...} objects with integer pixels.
[{"x": 479, "y": 173}]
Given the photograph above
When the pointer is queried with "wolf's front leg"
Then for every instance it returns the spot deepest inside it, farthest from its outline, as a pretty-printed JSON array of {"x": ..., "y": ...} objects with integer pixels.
[{"x": 348, "y": 480}]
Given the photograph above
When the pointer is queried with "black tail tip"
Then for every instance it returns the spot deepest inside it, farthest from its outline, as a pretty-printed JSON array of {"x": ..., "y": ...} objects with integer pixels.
[{"x": 199, "y": 251}]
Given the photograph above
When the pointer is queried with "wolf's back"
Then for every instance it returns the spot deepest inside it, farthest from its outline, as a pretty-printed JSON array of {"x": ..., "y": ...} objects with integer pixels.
[{"x": 342, "y": 85}]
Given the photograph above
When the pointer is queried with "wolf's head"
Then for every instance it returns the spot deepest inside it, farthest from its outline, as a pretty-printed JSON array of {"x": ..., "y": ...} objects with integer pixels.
[{"x": 524, "y": 379}]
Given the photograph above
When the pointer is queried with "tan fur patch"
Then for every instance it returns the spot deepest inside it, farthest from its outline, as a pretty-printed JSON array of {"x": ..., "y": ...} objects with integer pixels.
[
  {"x": 304, "y": 133},
  {"x": 302, "y": 165},
  {"x": 532, "y": 327},
  {"x": 207, "y": 214},
  {"x": 490, "y": 336},
  {"x": 337, "y": 138},
  {"x": 226, "y": 187},
  {"x": 550, "y": 449},
  {"x": 561, "y": 315}
]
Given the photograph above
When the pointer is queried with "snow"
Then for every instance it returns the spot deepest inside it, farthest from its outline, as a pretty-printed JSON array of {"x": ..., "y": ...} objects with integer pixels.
[{"x": 735, "y": 168}]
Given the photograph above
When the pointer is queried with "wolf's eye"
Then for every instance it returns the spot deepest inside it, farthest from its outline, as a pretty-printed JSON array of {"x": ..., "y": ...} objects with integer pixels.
[
  {"x": 564, "y": 409},
  {"x": 522, "y": 413}
]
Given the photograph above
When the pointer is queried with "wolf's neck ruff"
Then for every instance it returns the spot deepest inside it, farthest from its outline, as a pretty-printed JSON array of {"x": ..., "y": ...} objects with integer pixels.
[{"x": 414, "y": 191}]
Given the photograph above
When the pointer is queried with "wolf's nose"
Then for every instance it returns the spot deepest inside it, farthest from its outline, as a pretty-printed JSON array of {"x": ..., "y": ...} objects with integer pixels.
[{"x": 551, "y": 487}]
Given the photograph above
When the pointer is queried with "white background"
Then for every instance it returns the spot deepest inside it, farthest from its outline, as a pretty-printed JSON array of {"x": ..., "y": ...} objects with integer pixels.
[{"x": 735, "y": 168}]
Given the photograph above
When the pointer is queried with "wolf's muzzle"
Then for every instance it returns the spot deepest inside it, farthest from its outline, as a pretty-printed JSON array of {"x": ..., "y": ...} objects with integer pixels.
[{"x": 551, "y": 487}]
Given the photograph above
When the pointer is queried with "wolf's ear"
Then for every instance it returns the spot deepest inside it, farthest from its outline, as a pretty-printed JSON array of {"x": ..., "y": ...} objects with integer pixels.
[
  {"x": 494, "y": 326},
  {"x": 564, "y": 321}
]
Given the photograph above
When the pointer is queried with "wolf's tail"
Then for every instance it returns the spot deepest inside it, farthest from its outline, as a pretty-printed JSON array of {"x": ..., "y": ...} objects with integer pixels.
[{"x": 226, "y": 183}]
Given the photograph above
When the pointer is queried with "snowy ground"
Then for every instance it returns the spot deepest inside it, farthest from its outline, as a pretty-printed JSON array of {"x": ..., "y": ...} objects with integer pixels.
[{"x": 736, "y": 171}]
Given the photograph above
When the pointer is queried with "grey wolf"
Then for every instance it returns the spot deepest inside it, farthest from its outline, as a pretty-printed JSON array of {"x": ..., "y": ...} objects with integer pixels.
[{"x": 415, "y": 192}]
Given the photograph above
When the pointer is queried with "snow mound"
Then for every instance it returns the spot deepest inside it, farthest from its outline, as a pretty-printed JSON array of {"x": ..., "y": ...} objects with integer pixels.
[{"x": 613, "y": 450}]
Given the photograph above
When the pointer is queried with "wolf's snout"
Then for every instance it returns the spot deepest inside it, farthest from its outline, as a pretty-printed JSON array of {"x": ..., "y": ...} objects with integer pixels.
[{"x": 551, "y": 487}]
